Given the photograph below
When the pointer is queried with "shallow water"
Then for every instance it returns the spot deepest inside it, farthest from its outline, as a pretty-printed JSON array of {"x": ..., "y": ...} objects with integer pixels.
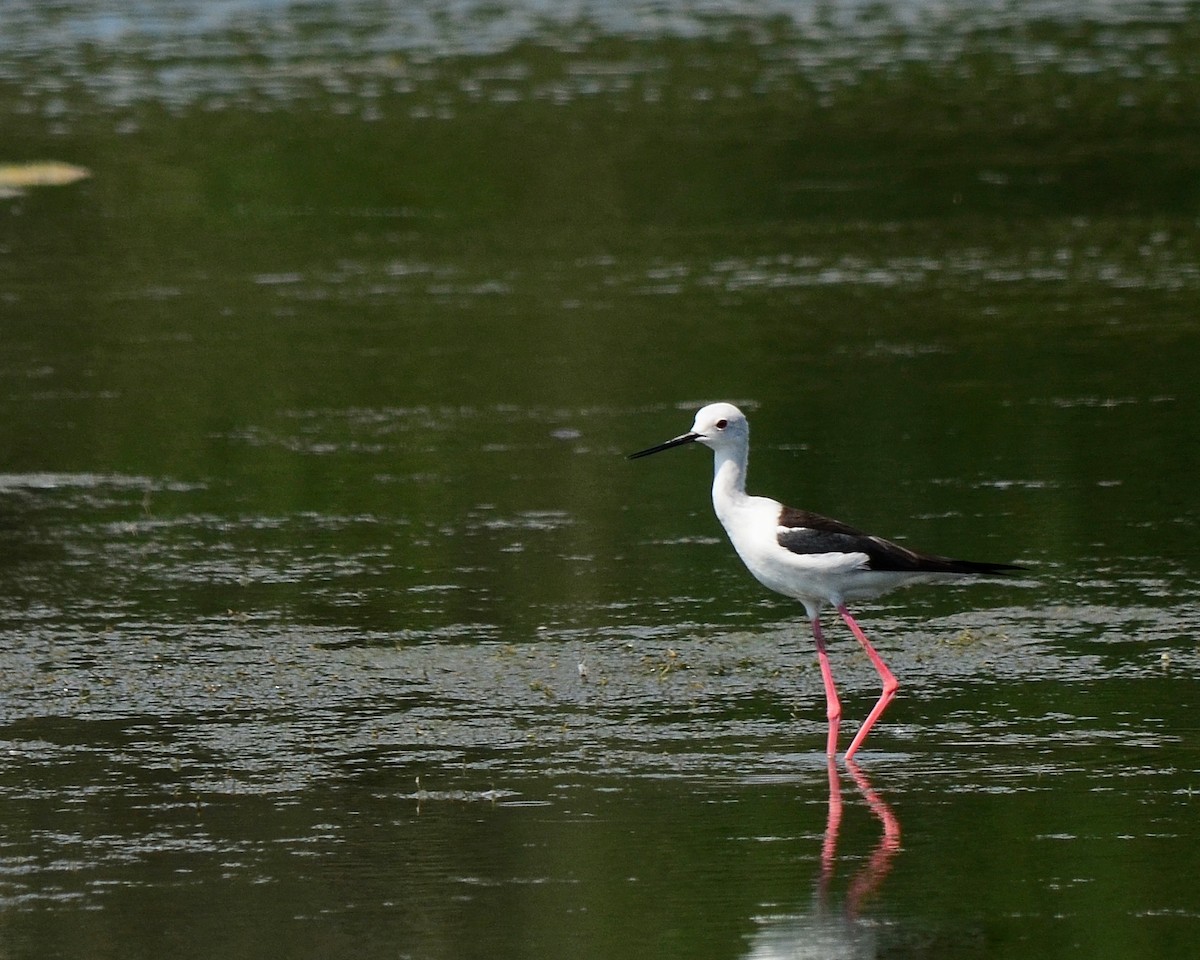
[{"x": 333, "y": 620}]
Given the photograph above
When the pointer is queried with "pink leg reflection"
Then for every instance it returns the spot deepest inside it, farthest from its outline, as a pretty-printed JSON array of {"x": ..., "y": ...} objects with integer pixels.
[
  {"x": 871, "y": 876},
  {"x": 833, "y": 823},
  {"x": 867, "y": 881}
]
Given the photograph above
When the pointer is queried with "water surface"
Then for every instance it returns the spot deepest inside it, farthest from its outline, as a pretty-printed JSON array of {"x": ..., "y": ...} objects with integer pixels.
[{"x": 333, "y": 620}]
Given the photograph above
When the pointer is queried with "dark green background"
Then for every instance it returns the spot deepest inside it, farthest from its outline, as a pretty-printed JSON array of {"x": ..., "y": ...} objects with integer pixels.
[{"x": 313, "y": 405}]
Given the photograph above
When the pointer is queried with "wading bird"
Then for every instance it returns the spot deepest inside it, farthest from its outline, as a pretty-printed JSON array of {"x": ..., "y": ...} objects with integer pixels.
[{"x": 811, "y": 558}]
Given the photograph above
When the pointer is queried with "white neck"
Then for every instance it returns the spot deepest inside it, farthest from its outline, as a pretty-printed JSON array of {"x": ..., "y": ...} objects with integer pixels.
[{"x": 729, "y": 481}]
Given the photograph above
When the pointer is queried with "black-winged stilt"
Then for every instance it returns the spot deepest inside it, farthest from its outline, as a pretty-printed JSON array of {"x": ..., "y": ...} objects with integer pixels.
[{"x": 816, "y": 560}]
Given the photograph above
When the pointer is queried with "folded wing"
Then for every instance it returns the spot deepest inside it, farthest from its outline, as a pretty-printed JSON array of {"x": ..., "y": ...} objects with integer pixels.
[{"x": 803, "y": 532}]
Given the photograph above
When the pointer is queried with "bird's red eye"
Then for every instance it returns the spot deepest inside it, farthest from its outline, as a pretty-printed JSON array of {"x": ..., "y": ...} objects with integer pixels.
[{"x": 722, "y": 424}]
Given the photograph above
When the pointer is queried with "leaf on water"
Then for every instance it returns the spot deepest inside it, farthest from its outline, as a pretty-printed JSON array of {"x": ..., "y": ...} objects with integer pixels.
[{"x": 17, "y": 177}]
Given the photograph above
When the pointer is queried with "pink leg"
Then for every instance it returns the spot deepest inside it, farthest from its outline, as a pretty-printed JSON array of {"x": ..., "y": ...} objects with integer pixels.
[
  {"x": 833, "y": 707},
  {"x": 890, "y": 685}
]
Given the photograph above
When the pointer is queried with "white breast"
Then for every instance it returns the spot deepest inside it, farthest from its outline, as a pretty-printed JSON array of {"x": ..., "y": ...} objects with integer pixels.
[{"x": 817, "y": 578}]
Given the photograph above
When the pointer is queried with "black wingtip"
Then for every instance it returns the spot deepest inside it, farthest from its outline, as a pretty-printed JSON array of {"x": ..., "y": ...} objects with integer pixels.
[{"x": 975, "y": 566}]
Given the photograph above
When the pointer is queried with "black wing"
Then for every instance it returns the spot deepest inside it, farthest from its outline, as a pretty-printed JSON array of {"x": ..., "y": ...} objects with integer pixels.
[{"x": 804, "y": 532}]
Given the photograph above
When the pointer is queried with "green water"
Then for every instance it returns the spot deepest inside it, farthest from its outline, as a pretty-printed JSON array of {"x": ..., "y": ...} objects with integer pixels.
[{"x": 333, "y": 621}]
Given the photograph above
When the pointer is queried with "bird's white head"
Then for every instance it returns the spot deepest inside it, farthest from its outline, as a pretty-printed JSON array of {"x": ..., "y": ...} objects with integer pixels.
[{"x": 719, "y": 426}]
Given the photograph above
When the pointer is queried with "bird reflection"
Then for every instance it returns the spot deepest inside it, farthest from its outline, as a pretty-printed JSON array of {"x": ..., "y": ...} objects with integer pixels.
[{"x": 829, "y": 932}]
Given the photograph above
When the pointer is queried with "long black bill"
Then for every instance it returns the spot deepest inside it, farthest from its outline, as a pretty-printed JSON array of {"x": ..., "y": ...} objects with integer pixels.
[{"x": 677, "y": 442}]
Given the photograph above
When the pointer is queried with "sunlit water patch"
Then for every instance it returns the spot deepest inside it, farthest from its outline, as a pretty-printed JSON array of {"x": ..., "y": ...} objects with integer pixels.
[{"x": 357, "y": 57}]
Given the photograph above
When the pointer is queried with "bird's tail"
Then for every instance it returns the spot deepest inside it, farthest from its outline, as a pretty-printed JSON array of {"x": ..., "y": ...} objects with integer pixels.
[{"x": 947, "y": 565}]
